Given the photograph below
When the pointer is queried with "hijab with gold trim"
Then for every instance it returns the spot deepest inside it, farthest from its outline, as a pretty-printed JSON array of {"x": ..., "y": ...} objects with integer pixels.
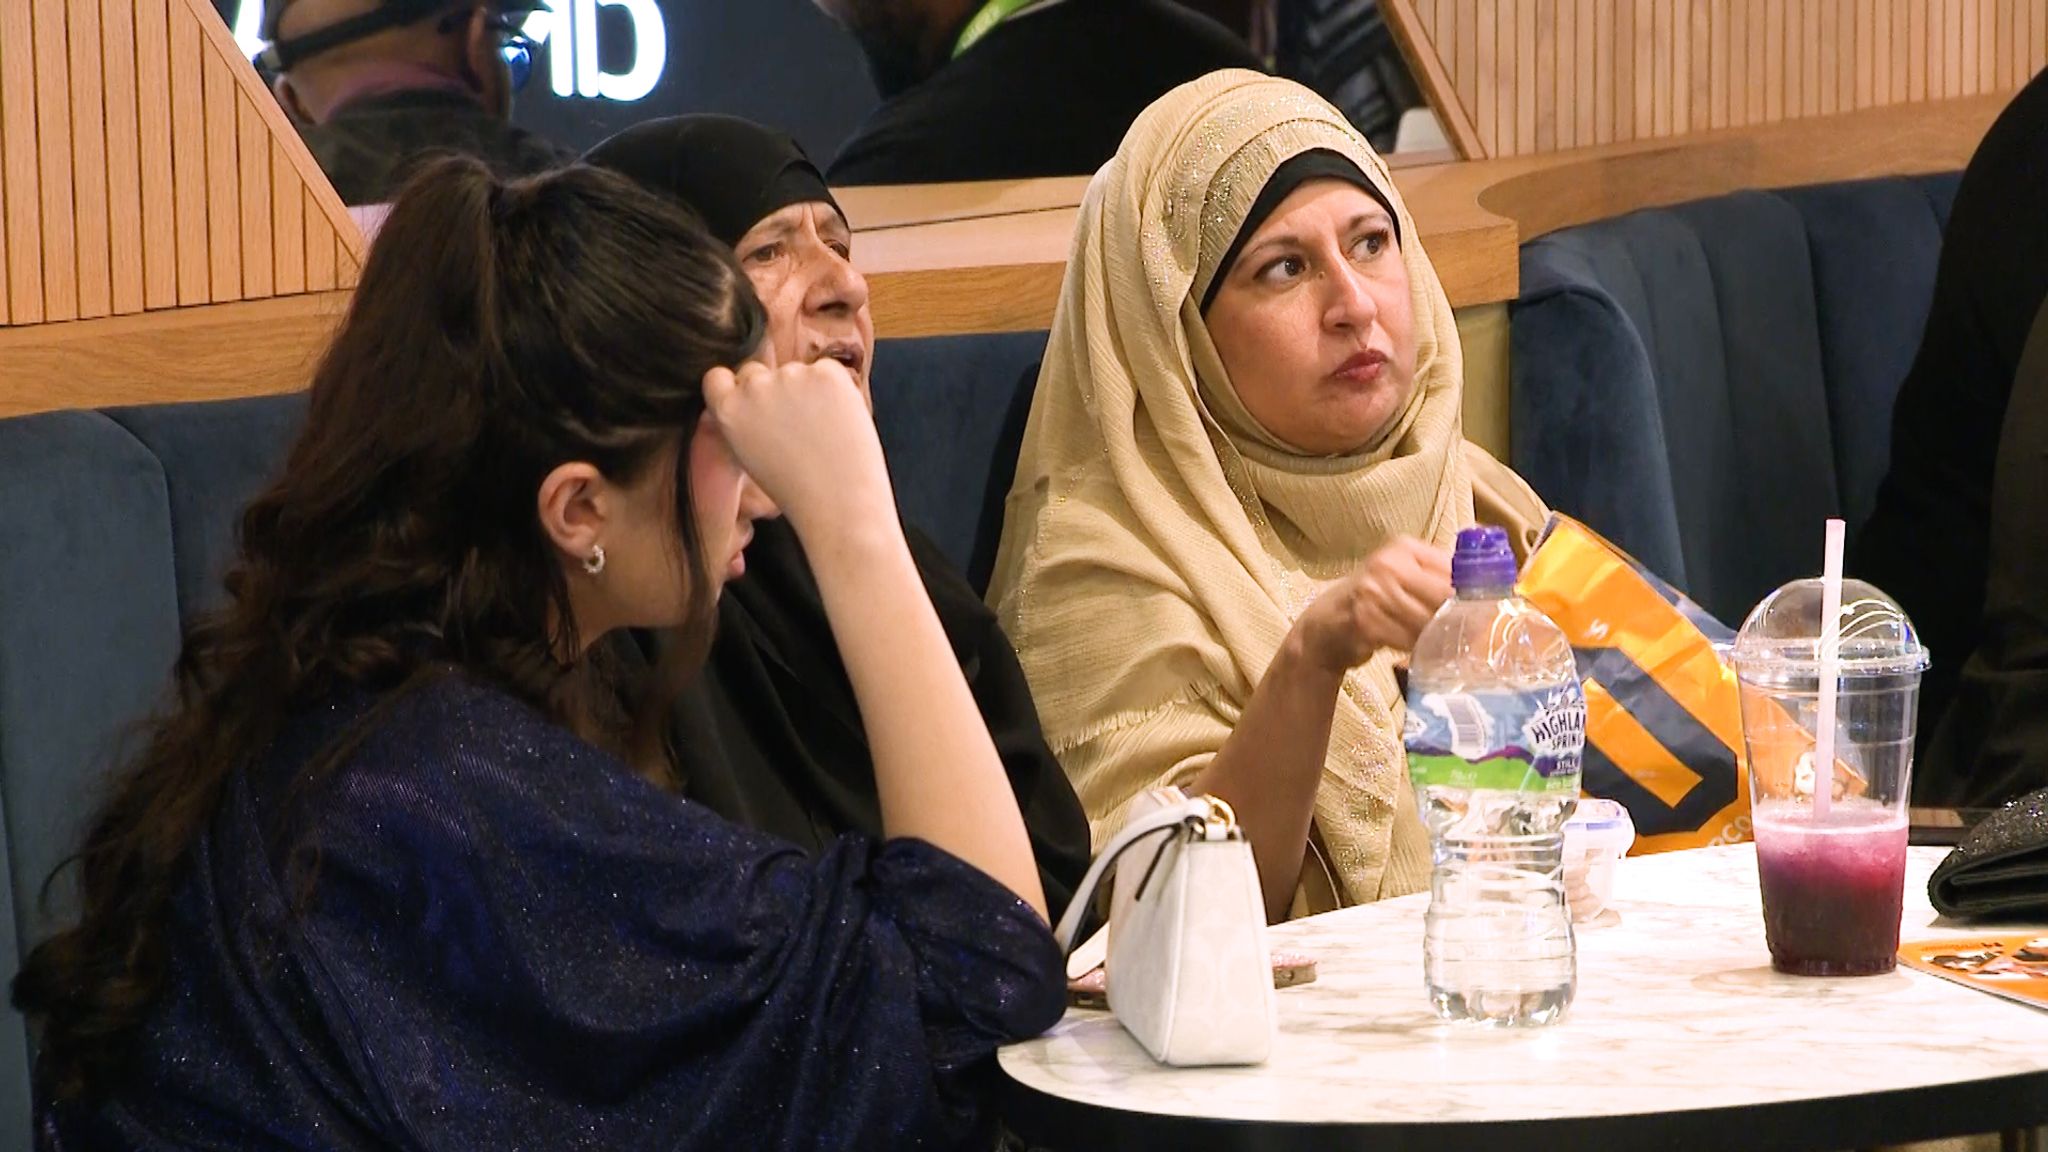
[{"x": 1159, "y": 543}]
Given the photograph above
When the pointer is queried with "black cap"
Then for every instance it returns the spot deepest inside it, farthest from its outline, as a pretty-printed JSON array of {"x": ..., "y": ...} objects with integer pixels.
[{"x": 282, "y": 54}]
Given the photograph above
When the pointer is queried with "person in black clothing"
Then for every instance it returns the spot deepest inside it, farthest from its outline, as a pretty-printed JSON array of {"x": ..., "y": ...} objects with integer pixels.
[
  {"x": 1929, "y": 537},
  {"x": 375, "y": 84},
  {"x": 1015, "y": 88},
  {"x": 774, "y": 697},
  {"x": 1991, "y": 744}
]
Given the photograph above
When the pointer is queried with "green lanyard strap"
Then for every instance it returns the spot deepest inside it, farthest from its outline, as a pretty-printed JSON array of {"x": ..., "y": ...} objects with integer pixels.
[{"x": 992, "y": 13}]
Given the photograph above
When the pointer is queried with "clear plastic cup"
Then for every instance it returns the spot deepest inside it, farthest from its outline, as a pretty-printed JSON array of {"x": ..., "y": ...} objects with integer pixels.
[
  {"x": 1833, "y": 874},
  {"x": 1597, "y": 836}
]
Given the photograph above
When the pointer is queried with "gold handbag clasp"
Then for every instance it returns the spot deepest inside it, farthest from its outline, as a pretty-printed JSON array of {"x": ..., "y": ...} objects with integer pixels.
[{"x": 1221, "y": 822}]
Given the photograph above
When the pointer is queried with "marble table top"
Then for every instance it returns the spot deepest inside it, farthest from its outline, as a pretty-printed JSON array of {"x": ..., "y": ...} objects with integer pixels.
[{"x": 1678, "y": 1015}]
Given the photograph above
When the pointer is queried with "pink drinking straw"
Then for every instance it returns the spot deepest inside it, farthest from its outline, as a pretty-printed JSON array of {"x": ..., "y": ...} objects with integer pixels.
[{"x": 1830, "y": 670}]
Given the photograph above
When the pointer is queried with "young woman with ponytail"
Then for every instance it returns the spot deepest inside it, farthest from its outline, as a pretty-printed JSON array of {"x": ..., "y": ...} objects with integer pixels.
[{"x": 402, "y": 863}]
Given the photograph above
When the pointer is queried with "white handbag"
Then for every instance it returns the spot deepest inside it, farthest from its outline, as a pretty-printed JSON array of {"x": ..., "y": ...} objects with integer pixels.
[{"x": 1189, "y": 972}]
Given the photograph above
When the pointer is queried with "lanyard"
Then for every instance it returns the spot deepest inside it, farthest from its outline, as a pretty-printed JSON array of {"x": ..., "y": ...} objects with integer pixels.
[{"x": 992, "y": 13}]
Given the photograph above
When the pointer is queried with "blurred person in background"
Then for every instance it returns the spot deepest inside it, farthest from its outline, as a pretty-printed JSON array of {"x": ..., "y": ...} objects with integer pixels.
[
  {"x": 1009, "y": 89},
  {"x": 375, "y": 84}
]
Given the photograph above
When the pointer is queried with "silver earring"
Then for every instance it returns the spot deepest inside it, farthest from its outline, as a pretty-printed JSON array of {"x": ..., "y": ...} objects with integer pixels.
[{"x": 594, "y": 563}]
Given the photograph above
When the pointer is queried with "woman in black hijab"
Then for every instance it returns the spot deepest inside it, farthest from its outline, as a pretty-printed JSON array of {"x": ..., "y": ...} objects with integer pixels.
[{"x": 772, "y": 736}]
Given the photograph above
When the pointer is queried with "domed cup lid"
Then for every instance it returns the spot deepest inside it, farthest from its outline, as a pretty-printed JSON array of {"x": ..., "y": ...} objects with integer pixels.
[{"x": 1781, "y": 638}]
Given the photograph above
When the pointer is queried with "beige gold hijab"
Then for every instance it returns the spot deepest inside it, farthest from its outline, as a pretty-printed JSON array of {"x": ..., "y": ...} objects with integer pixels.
[{"x": 1159, "y": 543}]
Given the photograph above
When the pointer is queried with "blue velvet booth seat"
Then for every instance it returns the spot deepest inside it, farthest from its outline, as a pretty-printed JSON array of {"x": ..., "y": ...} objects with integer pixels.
[
  {"x": 1705, "y": 384},
  {"x": 118, "y": 524}
]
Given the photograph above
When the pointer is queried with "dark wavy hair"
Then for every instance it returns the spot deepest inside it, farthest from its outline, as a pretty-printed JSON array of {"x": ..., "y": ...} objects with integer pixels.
[{"x": 500, "y": 329}]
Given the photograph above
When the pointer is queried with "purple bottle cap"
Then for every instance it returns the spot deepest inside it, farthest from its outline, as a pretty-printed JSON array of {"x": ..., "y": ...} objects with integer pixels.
[{"x": 1483, "y": 559}]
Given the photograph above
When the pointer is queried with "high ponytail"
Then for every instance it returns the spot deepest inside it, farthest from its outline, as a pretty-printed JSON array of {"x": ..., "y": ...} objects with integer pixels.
[{"x": 498, "y": 331}]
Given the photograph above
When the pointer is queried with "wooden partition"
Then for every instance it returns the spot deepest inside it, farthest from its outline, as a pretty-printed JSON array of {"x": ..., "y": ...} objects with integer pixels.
[
  {"x": 989, "y": 257},
  {"x": 145, "y": 173},
  {"x": 167, "y": 236},
  {"x": 1522, "y": 77}
]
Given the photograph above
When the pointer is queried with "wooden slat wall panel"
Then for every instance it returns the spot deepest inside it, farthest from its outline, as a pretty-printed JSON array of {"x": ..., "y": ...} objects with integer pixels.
[
  {"x": 1462, "y": 53},
  {"x": 1863, "y": 52},
  {"x": 53, "y": 144},
  {"x": 1699, "y": 35},
  {"x": 1745, "y": 62},
  {"x": 1646, "y": 68},
  {"x": 258, "y": 251},
  {"x": 1546, "y": 51},
  {"x": 154, "y": 98},
  {"x": 124, "y": 155},
  {"x": 20, "y": 170},
  {"x": 1997, "y": 23},
  {"x": 1545, "y": 75},
  {"x": 1657, "y": 68},
  {"x": 1525, "y": 66},
  {"x": 1606, "y": 71},
  {"x": 1754, "y": 84},
  {"x": 1880, "y": 54},
  {"x": 143, "y": 166},
  {"x": 1826, "y": 44},
  {"x": 90, "y": 226},
  {"x": 1584, "y": 93},
  {"x": 4, "y": 310},
  {"x": 2037, "y": 39},
  {"x": 2004, "y": 43},
  {"x": 223, "y": 182},
  {"x": 1946, "y": 55},
  {"x": 287, "y": 222},
  {"x": 1715, "y": 35},
  {"x": 188, "y": 160},
  {"x": 1916, "y": 61},
  {"x": 319, "y": 247}
]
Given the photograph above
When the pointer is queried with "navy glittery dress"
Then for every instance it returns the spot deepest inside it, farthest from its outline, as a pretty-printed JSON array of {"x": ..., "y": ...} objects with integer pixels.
[{"x": 512, "y": 942}]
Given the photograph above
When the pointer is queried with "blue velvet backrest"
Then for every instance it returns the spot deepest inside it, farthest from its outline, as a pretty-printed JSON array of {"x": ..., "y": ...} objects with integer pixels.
[
  {"x": 950, "y": 411},
  {"x": 1705, "y": 384},
  {"x": 88, "y": 630},
  {"x": 117, "y": 524}
]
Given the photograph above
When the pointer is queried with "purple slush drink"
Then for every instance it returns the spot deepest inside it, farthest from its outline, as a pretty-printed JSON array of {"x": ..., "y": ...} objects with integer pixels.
[{"x": 1832, "y": 889}]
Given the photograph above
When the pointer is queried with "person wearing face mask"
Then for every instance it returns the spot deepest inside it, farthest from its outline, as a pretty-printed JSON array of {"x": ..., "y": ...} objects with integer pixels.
[
  {"x": 796, "y": 758},
  {"x": 1243, "y": 464},
  {"x": 373, "y": 85}
]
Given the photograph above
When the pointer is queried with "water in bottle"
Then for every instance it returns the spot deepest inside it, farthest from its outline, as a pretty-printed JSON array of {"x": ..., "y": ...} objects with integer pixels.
[{"x": 1495, "y": 732}]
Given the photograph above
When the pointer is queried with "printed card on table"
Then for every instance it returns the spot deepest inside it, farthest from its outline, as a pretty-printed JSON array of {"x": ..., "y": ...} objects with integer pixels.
[{"x": 2014, "y": 967}]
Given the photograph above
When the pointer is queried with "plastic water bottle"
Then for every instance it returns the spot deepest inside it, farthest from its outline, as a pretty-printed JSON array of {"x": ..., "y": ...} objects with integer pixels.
[{"x": 1496, "y": 729}]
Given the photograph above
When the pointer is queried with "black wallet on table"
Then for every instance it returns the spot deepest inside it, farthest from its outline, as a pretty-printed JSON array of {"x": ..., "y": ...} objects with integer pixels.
[{"x": 2000, "y": 868}]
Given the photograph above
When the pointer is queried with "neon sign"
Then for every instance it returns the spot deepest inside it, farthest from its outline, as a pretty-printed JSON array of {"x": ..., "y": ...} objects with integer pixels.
[{"x": 566, "y": 30}]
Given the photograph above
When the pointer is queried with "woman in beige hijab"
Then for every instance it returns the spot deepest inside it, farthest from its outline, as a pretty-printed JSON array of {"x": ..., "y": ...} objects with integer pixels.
[{"x": 1242, "y": 469}]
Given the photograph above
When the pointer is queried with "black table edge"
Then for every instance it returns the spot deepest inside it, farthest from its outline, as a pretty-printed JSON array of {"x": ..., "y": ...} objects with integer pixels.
[{"x": 1824, "y": 1125}]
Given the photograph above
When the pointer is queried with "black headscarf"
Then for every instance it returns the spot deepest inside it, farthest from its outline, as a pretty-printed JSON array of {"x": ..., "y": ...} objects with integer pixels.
[
  {"x": 734, "y": 172},
  {"x": 770, "y": 735},
  {"x": 1315, "y": 164}
]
